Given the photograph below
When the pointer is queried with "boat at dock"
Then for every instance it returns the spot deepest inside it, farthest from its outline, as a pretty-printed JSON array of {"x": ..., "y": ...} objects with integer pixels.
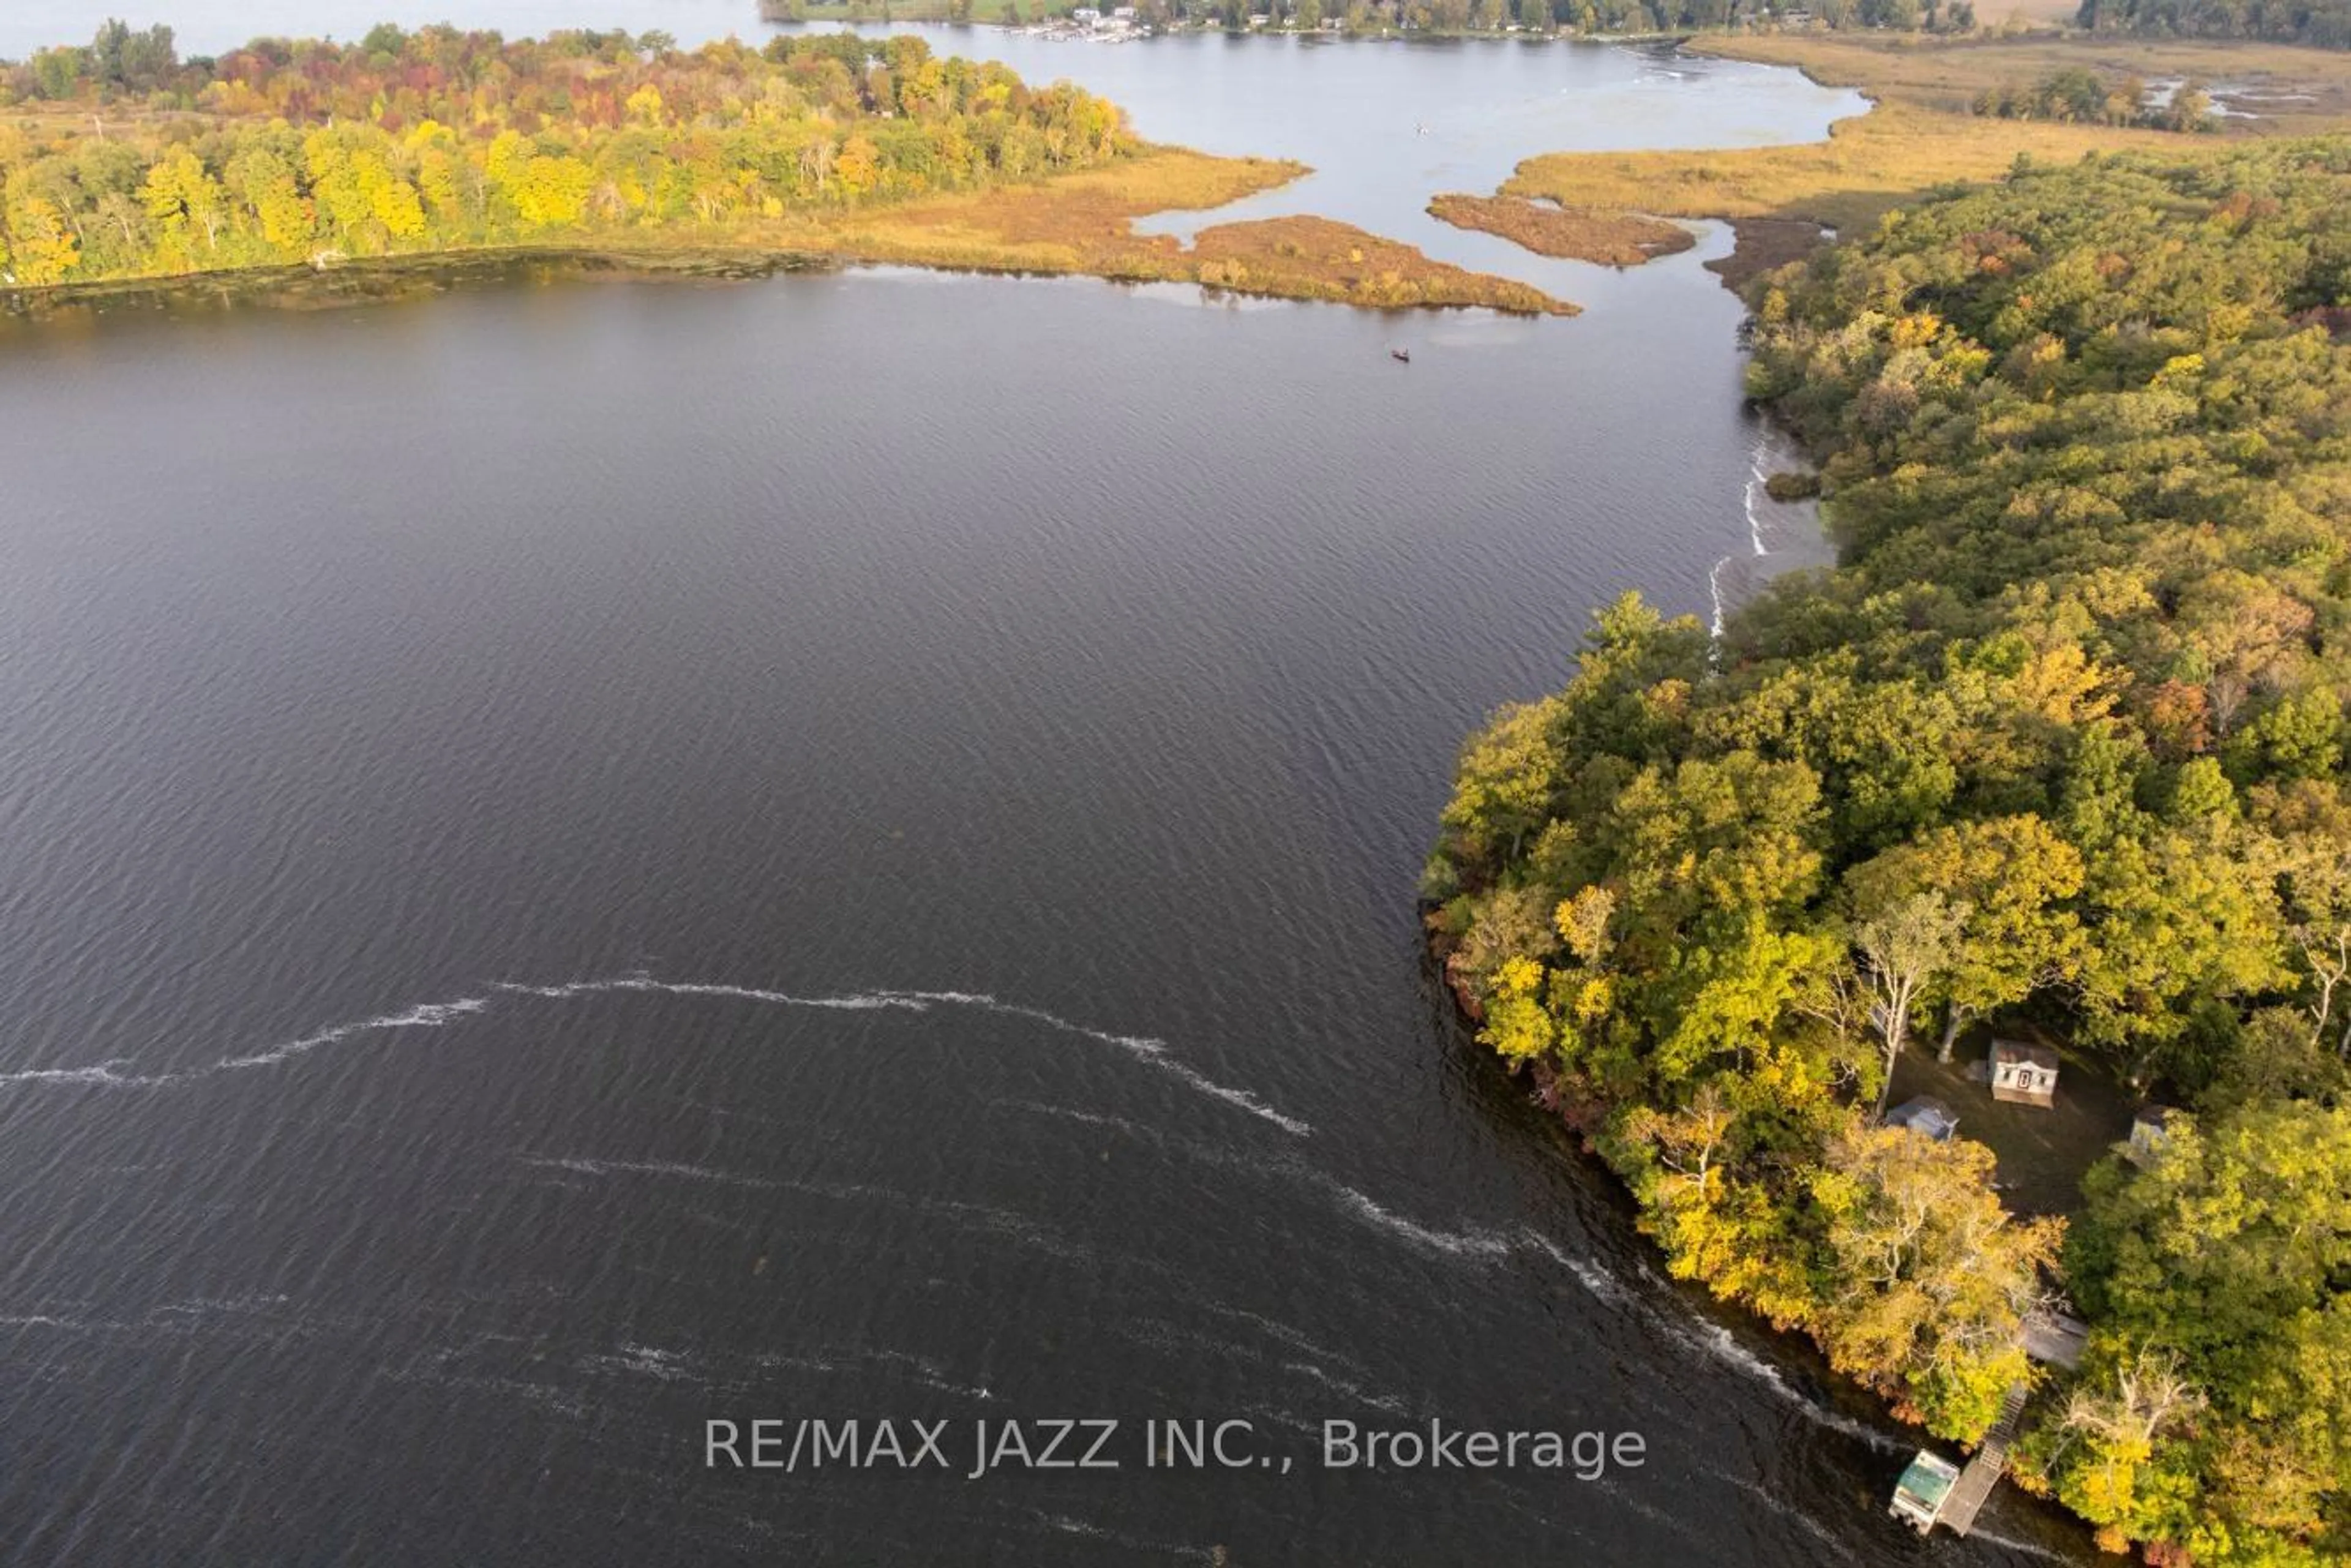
[{"x": 1933, "y": 1490}]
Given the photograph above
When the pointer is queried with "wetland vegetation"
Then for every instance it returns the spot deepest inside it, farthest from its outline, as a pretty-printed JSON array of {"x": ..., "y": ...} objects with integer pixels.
[{"x": 120, "y": 162}]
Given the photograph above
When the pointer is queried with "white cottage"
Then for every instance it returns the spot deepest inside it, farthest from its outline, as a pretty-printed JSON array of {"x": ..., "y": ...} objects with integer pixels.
[{"x": 2023, "y": 1074}]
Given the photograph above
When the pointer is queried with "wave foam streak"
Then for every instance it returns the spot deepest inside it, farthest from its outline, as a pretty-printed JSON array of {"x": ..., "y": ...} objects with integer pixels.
[
  {"x": 431, "y": 1015},
  {"x": 114, "y": 1073},
  {"x": 1142, "y": 1047}
]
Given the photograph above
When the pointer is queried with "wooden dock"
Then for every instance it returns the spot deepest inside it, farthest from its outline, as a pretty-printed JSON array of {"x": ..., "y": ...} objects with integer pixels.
[{"x": 1983, "y": 1471}]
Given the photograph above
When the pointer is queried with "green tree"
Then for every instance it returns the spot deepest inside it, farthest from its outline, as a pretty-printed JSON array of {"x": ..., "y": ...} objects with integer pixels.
[
  {"x": 2006, "y": 882},
  {"x": 2224, "y": 1259},
  {"x": 1931, "y": 1277}
]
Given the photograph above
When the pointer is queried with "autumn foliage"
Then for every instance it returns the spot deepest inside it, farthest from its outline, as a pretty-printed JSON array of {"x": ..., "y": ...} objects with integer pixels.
[
  {"x": 2065, "y": 738},
  {"x": 311, "y": 151}
]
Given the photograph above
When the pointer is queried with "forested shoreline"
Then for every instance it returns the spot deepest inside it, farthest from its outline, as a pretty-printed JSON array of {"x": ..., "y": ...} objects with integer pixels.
[
  {"x": 2060, "y": 742},
  {"x": 121, "y": 161}
]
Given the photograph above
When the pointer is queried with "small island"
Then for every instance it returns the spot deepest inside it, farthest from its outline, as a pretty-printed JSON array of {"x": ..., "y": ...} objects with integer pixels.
[
  {"x": 121, "y": 164},
  {"x": 2047, "y": 775},
  {"x": 1577, "y": 234}
]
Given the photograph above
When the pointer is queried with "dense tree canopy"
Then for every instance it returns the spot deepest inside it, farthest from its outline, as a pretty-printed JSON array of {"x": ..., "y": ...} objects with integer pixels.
[
  {"x": 291, "y": 152},
  {"x": 2326, "y": 23},
  {"x": 2063, "y": 733},
  {"x": 2220, "y": 1412}
]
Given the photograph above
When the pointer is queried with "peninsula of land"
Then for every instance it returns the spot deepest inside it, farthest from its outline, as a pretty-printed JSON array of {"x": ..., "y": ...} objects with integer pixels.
[
  {"x": 2053, "y": 764},
  {"x": 120, "y": 164}
]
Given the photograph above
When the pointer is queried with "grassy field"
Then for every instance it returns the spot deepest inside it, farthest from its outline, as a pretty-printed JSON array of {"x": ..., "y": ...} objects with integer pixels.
[
  {"x": 1868, "y": 165},
  {"x": 1946, "y": 75},
  {"x": 1920, "y": 135}
]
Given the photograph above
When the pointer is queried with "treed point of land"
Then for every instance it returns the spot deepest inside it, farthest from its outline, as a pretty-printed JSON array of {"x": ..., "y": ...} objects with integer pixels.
[
  {"x": 2059, "y": 748},
  {"x": 121, "y": 161}
]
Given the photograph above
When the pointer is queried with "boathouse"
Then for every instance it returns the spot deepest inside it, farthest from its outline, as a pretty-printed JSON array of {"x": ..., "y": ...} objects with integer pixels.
[{"x": 1934, "y": 1492}]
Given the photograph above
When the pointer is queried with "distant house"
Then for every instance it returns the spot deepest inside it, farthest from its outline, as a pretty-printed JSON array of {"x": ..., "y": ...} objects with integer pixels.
[
  {"x": 2149, "y": 1129},
  {"x": 2023, "y": 1074},
  {"x": 1085, "y": 16},
  {"x": 1925, "y": 1114}
]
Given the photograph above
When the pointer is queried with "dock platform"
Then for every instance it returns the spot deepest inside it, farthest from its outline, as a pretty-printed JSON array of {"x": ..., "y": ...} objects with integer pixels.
[{"x": 1966, "y": 1496}]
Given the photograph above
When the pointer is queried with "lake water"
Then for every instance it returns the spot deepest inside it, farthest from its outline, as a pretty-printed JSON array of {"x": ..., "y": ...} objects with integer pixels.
[{"x": 576, "y": 859}]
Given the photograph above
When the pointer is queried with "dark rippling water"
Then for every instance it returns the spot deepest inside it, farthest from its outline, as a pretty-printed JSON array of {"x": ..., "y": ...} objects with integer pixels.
[{"x": 578, "y": 860}]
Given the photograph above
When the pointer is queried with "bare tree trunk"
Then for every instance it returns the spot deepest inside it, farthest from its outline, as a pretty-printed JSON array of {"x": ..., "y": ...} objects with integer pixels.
[
  {"x": 1952, "y": 1018},
  {"x": 1893, "y": 1032}
]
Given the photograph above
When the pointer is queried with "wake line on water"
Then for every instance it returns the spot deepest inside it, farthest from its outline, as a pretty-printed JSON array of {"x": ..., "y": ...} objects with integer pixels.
[
  {"x": 1065, "y": 1524},
  {"x": 1747, "y": 495},
  {"x": 973, "y": 1216},
  {"x": 431, "y": 1015},
  {"x": 2005, "y": 1544},
  {"x": 117, "y": 1073},
  {"x": 1142, "y": 1047},
  {"x": 1458, "y": 1244},
  {"x": 1720, "y": 1344},
  {"x": 1468, "y": 1243},
  {"x": 1713, "y": 1340},
  {"x": 104, "y": 1074}
]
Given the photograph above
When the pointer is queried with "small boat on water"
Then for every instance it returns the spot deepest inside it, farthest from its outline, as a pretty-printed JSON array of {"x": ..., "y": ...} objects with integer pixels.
[{"x": 1403, "y": 356}]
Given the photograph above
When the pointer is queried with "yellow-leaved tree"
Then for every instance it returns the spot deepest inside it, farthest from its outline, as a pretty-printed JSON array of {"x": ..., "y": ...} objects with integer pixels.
[
  {"x": 189, "y": 210},
  {"x": 43, "y": 246}
]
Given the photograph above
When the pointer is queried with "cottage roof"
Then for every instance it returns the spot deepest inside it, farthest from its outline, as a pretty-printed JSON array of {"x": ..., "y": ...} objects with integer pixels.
[
  {"x": 2007, "y": 1052},
  {"x": 1925, "y": 1114}
]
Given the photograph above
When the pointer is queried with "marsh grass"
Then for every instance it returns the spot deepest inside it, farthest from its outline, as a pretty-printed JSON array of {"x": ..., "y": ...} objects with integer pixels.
[
  {"x": 1578, "y": 233},
  {"x": 2296, "y": 91},
  {"x": 1869, "y": 165},
  {"x": 1921, "y": 134},
  {"x": 1084, "y": 222}
]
